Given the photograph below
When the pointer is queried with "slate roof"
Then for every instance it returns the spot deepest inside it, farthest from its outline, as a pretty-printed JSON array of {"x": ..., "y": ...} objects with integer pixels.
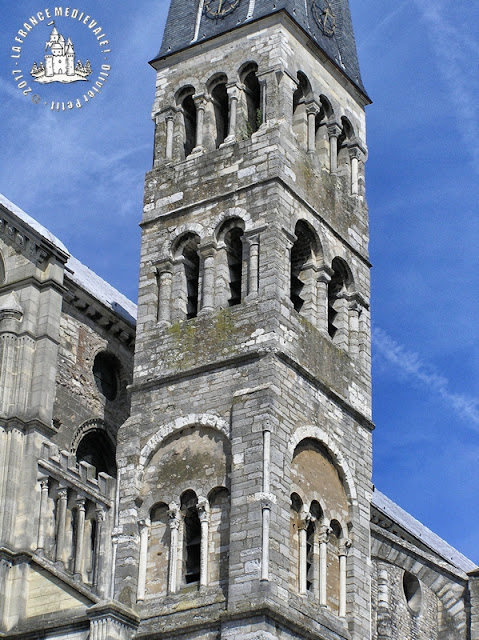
[
  {"x": 77, "y": 272},
  {"x": 421, "y": 532},
  {"x": 339, "y": 47}
]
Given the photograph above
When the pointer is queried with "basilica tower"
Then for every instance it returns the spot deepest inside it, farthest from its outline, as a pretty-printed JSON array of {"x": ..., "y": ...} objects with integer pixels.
[{"x": 245, "y": 468}]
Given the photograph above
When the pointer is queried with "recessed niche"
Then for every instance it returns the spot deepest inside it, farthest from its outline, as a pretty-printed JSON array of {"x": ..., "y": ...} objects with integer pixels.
[{"x": 412, "y": 593}]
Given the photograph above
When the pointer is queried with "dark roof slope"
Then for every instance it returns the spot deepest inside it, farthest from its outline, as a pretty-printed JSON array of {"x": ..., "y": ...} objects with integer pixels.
[{"x": 338, "y": 45}]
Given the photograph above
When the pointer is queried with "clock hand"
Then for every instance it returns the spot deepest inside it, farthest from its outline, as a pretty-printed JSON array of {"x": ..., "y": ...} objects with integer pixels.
[{"x": 220, "y": 3}]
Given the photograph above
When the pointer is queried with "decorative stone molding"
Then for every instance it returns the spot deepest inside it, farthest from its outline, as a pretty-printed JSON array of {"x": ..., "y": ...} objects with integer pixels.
[
  {"x": 310, "y": 431},
  {"x": 33, "y": 248},
  {"x": 192, "y": 420}
]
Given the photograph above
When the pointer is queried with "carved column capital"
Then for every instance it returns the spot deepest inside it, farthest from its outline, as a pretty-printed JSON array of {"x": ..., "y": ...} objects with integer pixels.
[
  {"x": 324, "y": 533},
  {"x": 312, "y": 107},
  {"x": 174, "y": 516},
  {"x": 203, "y": 508},
  {"x": 325, "y": 274},
  {"x": 334, "y": 129},
  {"x": 344, "y": 547}
]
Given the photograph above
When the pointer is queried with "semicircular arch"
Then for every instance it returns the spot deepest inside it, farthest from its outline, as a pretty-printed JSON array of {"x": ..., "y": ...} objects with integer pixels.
[{"x": 316, "y": 433}]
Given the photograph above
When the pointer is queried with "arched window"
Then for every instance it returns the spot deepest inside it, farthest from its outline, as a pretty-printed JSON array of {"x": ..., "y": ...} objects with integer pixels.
[
  {"x": 303, "y": 260},
  {"x": 219, "y": 527},
  {"x": 252, "y": 89},
  {"x": 234, "y": 253},
  {"x": 296, "y": 507},
  {"x": 323, "y": 117},
  {"x": 158, "y": 551},
  {"x": 219, "y": 96},
  {"x": 188, "y": 109},
  {"x": 187, "y": 276},
  {"x": 315, "y": 541},
  {"x": 338, "y": 306},
  {"x": 333, "y": 579},
  {"x": 229, "y": 263},
  {"x": 191, "y": 538},
  {"x": 300, "y": 117},
  {"x": 345, "y": 138},
  {"x": 97, "y": 449}
]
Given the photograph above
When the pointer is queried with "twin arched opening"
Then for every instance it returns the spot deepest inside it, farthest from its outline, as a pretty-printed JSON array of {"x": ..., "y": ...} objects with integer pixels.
[{"x": 318, "y": 534}]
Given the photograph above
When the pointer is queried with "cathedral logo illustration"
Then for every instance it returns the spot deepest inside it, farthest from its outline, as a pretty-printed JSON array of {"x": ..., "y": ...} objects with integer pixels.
[{"x": 59, "y": 63}]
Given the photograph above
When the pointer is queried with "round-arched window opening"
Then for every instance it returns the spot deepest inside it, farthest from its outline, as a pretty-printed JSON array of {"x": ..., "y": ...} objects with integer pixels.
[
  {"x": 97, "y": 449},
  {"x": 105, "y": 372},
  {"x": 412, "y": 592}
]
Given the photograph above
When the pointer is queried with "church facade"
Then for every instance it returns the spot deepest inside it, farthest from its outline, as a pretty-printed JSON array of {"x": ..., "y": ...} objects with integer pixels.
[{"x": 200, "y": 466}]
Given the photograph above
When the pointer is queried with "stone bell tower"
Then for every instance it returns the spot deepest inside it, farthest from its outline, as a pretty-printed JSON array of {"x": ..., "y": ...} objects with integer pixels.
[{"x": 245, "y": 468}]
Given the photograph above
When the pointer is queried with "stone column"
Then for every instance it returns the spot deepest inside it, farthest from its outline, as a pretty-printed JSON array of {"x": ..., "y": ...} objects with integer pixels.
[
  {"x": 200, "y": 103},
  {"x": 232, "y": 90},
  {"x": 61, "y": 522},
  {"x": 312, "y": 109},
  {"x": 323, "y": 279},
  {"x": 354, "y": 156},
  {"x": 98, "y": 559},
  {"x": 174, "y": 522},
  {"x": 170, "y": 123},
  {"x": 341, "y": 306},
  {"x": 354, "y": 311},
  {"x": 80, "y": 537},
  {"x": 208, "y": 254},
  {"x": 144, "y": 526},
  {"x": 334, "y": 131},
  {"x": 42, "y": 516},
  {"x": 343, "y": 555},
  {"x": 384, "y": 627},
  {"x": 165, "y": 284},
  {"x": 203, "y": 509},
  {"x": 324, "y": 532},
  {"x": 266, "y": 505}
]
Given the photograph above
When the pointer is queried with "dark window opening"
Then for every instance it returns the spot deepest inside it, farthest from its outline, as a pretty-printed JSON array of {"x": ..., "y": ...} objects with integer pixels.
[
  {"x": 253, "y": 102},
  {"x": 97, "y": 449},
  {"x": 220, "y": 103},
  {"x": 412, "y": 592},
  {"x": 192, "y": 274},
  {"x": 301, "y": 254},
  {"x": 192, "y": 537},
  {"x": 189, "y": 116},
  {"x": 335, "y": 287},
  {"x": 105, "y": 372},
  {"x": 234, "y": 251}
]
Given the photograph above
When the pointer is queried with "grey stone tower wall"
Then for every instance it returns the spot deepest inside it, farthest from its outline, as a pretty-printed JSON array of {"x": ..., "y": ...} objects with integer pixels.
[{"x": 259, "y": 366}]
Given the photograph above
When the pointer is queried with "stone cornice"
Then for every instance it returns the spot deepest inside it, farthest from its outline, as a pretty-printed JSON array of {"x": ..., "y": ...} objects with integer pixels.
[
  {"x": 99, "y": 313},
  {"x": 24, "y": 238}
]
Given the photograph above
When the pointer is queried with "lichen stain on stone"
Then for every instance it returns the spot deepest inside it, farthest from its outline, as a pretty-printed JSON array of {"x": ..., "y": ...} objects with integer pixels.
[{"x": 197, "y": 340}]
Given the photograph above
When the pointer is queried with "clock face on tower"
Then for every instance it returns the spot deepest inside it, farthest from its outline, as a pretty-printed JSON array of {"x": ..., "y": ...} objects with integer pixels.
[
  {"x": 220, "y": 8},
  {"x": 324, "y": 16}
]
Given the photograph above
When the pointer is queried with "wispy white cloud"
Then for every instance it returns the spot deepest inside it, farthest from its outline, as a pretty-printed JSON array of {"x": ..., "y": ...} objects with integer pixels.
[
  {"x": 410, "y": 365},
  {"x": 379, "y": 28},
  {"x": 456, "y": 53}
]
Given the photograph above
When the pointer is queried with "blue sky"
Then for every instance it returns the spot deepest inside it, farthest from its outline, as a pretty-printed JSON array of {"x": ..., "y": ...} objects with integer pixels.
[{"x": 80, "y": 173}]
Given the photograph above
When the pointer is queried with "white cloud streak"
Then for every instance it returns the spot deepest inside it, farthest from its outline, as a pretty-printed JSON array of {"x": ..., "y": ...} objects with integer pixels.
[
  {"x": 410, "y": 365},
  {"x": 456, "y": 53}
]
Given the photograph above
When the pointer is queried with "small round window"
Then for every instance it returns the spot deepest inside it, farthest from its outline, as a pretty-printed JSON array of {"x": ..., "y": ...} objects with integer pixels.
[
  {"x": 412, "y": 592},
  {"x": 105, "y": 371}
]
